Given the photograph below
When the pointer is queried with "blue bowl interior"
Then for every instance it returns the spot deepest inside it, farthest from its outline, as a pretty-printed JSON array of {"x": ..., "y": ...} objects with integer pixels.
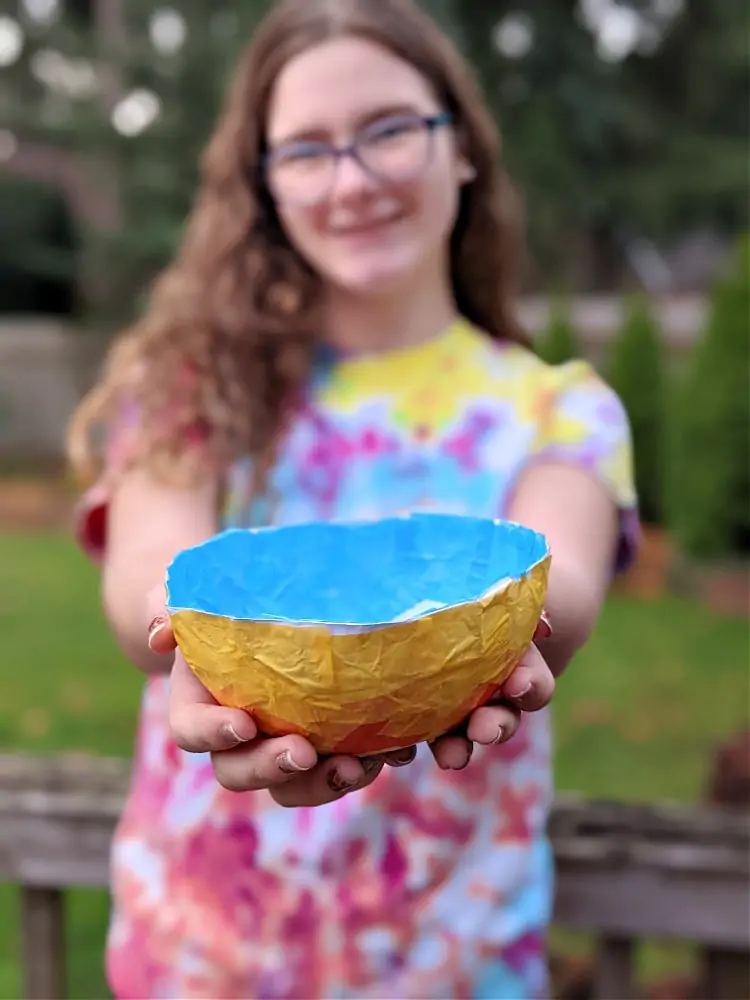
[{"x": 364, "y": 574}]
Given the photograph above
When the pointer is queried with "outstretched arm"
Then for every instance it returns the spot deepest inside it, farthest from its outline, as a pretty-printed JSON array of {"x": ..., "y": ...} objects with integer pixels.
[
  {"x": 580, "y": 520},
  {"x": 147, "y": 525}
]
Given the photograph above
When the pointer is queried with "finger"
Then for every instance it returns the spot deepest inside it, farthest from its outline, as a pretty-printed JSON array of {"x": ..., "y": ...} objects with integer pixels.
[
  {"x": 531, "y": 685},
  {"x": 264, "y": 763},
  {"x": 160, "y": 635},
  {"x": 332, "y": 779},
  {"x": 197, "y": 723},
  {"x": 493, "y": 724},
  {"x": 452, "y": 752}
]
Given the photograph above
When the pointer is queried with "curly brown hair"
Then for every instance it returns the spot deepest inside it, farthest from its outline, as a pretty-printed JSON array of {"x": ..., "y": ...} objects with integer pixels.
[{"x": 226, "y": 342}]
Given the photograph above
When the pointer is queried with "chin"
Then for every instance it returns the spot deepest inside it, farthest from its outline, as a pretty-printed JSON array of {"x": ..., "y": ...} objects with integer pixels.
[{"x": 374, "y": 279}]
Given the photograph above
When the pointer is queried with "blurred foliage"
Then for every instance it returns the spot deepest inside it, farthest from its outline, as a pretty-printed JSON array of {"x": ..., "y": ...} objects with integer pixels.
[
  {"x": 159, "y": 169},
  {"x": 709, "y": 485},
  {"x": 558, "y": 342},
  {"x": 650, "y": 146},
  {"x": 604, "y": 151},
  {"x": 637, "y": 374}
]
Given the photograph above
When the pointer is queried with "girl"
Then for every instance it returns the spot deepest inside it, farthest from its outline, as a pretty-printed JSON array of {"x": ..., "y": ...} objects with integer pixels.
[{"x": 337, "y": 338}]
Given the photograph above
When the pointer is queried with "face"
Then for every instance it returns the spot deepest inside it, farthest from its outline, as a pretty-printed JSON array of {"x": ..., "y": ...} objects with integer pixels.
[{"x": 371, "y": 224}]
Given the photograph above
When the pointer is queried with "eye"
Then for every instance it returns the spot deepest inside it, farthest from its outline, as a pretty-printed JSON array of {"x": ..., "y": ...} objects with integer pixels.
[
  {"x": 392, "y": 129},
  {"x": 296, "y": 152}
]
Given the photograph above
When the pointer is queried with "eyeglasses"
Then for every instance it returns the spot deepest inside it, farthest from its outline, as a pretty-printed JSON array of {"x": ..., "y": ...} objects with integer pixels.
[{"x": 396, "y": 148}]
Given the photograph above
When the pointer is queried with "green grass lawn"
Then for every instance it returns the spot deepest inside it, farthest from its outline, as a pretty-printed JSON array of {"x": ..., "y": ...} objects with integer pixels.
[{"x": 636, "y": 716}]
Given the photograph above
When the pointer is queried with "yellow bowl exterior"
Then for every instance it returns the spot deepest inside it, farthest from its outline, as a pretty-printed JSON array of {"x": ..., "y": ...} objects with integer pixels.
[{"x": 369, "y": 692}]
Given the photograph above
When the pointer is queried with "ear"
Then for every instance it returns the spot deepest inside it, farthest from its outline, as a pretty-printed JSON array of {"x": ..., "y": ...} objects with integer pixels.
[{"x": 466, "y": 172}]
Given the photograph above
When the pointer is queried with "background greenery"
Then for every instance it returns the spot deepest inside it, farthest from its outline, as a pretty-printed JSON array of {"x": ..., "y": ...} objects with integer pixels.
[{"x": 610, "y": 153}]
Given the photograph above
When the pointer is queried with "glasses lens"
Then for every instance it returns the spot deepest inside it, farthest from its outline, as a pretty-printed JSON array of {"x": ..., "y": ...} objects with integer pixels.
[
  {"x": 302, "y": 172},
  {"x": 395, "y": 148}
]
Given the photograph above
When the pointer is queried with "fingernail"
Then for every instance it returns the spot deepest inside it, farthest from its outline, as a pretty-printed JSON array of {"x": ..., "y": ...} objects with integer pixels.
[
  {"x": 546, "y": 625},
  {"x": 523, "y": 678},
  {"x": 372, "y": 764},
  {"x": 499, "y": 737},
  {"x": 465, "y": 762},
  {"x": 403, "y": 757},
  {"x": 231, "y": 734},
  {"x": 288, "y": 765},
  {"x": 337, "y": 783},
  {"x": 155, "y": 628}
]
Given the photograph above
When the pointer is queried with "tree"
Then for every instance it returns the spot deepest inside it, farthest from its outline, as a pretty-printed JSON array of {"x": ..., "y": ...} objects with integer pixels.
[
  {"x": 145, "y": 119},
  {"x": 559, "y": 108},
  {"x": 687, "y": 163},
  {"x": 637, "y": 375},
  {"x": 605, "y": 149},
  {"x": 710, "y": 474},
  {"x": 558, "y": 343},
  {"x": 158, "y": 167}
]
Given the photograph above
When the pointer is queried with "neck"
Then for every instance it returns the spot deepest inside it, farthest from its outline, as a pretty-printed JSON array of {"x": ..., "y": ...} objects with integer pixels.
[{"x": 357, "y": 324}]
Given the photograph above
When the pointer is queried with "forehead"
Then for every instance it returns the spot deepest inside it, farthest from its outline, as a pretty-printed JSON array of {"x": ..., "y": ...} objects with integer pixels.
[{"x": 339, "y": 82}]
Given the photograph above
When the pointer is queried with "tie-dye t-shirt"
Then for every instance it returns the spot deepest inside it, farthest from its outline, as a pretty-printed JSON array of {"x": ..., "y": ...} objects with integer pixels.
[{"x": 428, "y": 883}]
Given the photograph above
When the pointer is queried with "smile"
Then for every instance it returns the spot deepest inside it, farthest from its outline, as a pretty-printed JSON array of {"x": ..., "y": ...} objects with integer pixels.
[{"x": 368, "y": 228}]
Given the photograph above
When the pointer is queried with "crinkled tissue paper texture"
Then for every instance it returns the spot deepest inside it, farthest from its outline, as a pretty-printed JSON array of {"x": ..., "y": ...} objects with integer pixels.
[{"x": 362, "y": 636}]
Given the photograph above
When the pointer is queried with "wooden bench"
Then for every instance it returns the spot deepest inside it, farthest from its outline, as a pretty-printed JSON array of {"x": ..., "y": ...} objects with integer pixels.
[{"x": 625, "y": 873}]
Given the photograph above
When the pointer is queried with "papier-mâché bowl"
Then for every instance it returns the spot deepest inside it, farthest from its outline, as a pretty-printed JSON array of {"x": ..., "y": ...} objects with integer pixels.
[{"x": 364, "y": 636}]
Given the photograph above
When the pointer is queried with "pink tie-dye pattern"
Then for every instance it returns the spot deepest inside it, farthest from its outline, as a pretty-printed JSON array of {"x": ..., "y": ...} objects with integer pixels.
[{"x": 464, "y": 447}]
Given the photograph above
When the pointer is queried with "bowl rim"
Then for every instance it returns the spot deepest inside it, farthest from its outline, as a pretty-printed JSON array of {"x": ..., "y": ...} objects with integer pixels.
[{"x": 491, "y": 591}]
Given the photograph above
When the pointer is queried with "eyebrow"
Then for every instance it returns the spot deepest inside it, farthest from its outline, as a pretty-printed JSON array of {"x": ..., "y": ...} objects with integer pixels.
[{"x": 317, "y": 132}]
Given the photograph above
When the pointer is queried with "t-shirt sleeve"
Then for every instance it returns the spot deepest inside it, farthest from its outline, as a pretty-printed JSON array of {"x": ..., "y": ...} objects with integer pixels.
[
  {"x": 90, "y": 515},
  {"x": 122, "y": 441},
  {"x": 585, "y": 424}
]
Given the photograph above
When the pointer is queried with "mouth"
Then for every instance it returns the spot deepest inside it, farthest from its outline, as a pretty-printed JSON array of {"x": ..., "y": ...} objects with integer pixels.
[{"x": 370, "y": 227}]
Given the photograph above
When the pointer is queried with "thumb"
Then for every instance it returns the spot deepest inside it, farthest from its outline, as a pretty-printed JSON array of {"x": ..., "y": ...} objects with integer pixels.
[{"x": 160, "y": 635}]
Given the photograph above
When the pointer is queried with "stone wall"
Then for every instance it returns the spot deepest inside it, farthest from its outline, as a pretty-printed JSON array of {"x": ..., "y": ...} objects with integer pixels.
[{"x": 45, "y": 366}]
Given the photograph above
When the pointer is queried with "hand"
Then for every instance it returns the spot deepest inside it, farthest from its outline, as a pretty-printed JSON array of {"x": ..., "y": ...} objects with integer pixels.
[
  {"x": 528, "y": 689},
  {"x": 242, "y": 758}
]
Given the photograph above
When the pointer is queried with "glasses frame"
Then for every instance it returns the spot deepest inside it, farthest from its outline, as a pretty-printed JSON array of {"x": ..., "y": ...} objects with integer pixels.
[{"x": 351, "y": 151}]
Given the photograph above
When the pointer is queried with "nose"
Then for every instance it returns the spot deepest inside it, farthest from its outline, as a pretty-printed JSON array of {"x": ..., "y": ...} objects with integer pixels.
[{"x": 351, "y": 180}]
